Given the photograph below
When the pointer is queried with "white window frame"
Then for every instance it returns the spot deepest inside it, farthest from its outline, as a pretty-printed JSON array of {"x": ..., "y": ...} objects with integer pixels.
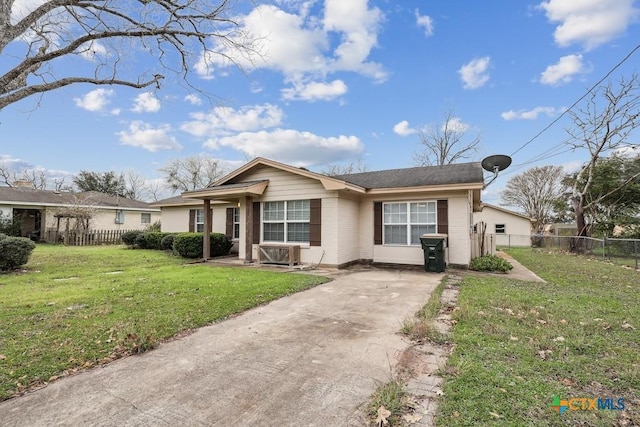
[
  {"x": 236, "y": 224},
  {"x": 198, "y": 222},
  {"x": 286, "y": 221},
  {"x": 119, "y": 217},
  {"x": 503, "y": 227},
  {"x": 143, "y": 216},
  {"x": 407, "y": 221}
]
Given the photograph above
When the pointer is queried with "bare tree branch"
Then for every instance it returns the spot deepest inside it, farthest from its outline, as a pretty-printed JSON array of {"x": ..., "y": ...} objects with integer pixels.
[
  {"x": 172, "y": 32},
  {"x": 191, "y": 173},
  {"x": 603, "y": 125},
  {"x": 445, "y": 143}
]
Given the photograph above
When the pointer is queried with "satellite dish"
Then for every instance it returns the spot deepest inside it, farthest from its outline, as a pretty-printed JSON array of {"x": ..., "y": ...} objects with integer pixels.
[{"x": 496, "y": 163}]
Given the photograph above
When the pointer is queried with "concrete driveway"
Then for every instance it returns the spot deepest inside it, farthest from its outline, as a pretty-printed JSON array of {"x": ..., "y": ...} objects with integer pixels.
[{"x": 309, "y": 359}]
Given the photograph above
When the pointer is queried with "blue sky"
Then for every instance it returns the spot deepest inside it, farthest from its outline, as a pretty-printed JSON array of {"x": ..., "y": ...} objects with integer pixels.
[{"x": 345, "y": 80}]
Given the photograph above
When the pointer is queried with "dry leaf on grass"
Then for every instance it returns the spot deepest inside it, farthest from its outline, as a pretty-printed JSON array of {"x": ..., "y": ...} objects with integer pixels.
[
  {"x": 383, "y": 414},
  {"x": 412, "y": 418},
  {"x": 493, "y": 414},
  {"x": 626, "y": 325}
]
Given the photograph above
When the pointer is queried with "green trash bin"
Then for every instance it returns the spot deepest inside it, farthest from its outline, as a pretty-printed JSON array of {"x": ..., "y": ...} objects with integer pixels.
[{"x": 433, "y": 247}]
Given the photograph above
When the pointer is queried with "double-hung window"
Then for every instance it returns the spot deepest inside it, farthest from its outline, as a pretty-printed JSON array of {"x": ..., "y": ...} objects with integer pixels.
[
  {"x": 404, "y": 222},
  {"x": 236, "y": 223},
  {"x": 199, "y": 221},
  {"x": 286, "y": 221},
  {"x": 145, "y": 218}
]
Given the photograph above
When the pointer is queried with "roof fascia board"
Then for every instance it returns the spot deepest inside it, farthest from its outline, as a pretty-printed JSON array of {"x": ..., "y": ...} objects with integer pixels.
[
  {"x": 256, "y": 189},
  {"x": 426, "y": 188},
  {"x": 17, "y": 205},
  {"x": 329, "y": 183}
]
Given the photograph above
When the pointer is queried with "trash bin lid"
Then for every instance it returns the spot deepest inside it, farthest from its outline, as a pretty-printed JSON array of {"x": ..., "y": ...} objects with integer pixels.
[{"x": 434, "y": 236}]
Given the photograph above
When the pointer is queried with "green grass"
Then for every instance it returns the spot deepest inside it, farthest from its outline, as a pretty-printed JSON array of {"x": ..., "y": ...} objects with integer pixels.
[
  {"x": 519, "y": 344},
  {"x": 421, "y": 327},
  {"x": 75, "y": 307}
]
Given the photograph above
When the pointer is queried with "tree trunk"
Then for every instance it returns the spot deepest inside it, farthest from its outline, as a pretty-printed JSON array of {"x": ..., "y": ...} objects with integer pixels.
[{"x": 578, "y": 208}]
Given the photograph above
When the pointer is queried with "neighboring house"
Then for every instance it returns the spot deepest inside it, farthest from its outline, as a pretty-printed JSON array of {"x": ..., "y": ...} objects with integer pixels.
[
  {"x": 336, "y": 221},
  {"x": 44, "y": 210},
  {"x": 509, "y": 228}
]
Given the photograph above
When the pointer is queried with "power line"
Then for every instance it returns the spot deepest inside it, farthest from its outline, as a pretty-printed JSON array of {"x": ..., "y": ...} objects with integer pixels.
[{"x": 579, "y": 99}]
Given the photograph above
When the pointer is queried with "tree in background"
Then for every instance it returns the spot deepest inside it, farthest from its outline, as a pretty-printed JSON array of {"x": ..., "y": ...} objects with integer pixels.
[
  {"x": 446, "y": 143},
  {"x": 191, "y": 173},
  {"x": 352, "y": 167},
  {"x": 103, "y": 182},
  {"x": 603, "y": 126},
  {"x": 535, "y": 192},
  {"x": 106, "y": 42},
  {"x": 37, "y": 178},
  {"x": 613, "y": 198}
]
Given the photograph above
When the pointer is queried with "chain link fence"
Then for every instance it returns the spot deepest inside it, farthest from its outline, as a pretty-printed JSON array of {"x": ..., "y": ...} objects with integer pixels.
[{"x": 619, "y": 251}]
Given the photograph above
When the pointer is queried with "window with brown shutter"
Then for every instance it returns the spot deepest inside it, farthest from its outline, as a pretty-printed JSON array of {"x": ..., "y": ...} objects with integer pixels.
[
  {"x": 315, "y": 222},
  {"x": 192, "y": 220},
  {"x": 229, "y": 224},
  {"x": 256, "y": 223},
  {"x": 377, "y": 223},
  {"x": 443, "y": 216}
]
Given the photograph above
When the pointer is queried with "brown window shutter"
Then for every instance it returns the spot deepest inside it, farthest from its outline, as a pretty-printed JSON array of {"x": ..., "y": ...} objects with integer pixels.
[
  {"x": 315, "y": 222},
  {"x": 211, "y": 218},
  {"x": 192, "y": 220},
  {"x": 443, "y": 216},
  {"x": 377, "y": 223},
  {"x": 256, "y": 223},
  {"x": 229, "y": 224}
]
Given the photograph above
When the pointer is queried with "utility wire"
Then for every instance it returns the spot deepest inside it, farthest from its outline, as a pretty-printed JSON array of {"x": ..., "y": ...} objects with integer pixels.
[{"x": 579, "y": 99}]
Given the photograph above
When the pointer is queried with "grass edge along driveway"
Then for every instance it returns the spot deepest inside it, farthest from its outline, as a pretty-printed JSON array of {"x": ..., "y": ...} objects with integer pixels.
[
  {"x": 518, "y": 345},
  {"x": 77, "y": 307}
]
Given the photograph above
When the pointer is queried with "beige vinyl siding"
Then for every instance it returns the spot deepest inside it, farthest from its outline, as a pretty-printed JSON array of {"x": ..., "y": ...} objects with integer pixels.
[
  {"x": 287, "y": 186},
  {"x": 104, "y": 219},
  {"x": 459, "y": 241},
  {"x": 517, "y": 228},
  {"x": 348, "y": 231},
  {"x": 175, "y": 219},
  {"x": 458, "y": 248},
  {"x": 284, "y": 185}
]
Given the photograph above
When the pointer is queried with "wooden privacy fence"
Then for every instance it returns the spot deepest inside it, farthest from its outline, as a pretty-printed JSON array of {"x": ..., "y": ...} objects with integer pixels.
[{"x": 85, "y": 237}]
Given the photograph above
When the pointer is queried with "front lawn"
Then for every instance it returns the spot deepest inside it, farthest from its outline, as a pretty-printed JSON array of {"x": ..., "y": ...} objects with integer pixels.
[
  {"x": 520, "y": 344},
  {"x": 76, "y": 307}
]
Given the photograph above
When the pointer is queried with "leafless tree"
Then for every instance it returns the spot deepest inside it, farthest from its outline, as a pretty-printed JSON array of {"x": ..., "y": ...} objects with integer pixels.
[
  {"x": 114, "y": 37},
  {"x": 191, "y": 173},
  {"x": 36, "y": 177},
  {"x": 604, "y": 124},
  {"x": 535, "y": 191},
  {"x": 156, "y": 189},
  {"x": 445, "y": 143},
  {"x": 352, "y": 167},
  {"x": 135, "y": 184}
]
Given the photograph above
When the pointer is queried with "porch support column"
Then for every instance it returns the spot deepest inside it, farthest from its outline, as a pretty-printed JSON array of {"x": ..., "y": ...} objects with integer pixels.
[
  {"x": 248, "y": 239},
  {"x": 206, "y": 241}
]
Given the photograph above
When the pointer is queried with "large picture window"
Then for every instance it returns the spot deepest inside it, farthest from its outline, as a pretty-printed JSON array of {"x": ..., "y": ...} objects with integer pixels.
[
  {"x": 404, "y": 222},
  {"x": 286, "y": 221}
]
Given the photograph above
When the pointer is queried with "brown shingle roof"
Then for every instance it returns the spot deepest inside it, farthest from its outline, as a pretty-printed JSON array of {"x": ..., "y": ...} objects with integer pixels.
[{"x": 459, "y": 173}]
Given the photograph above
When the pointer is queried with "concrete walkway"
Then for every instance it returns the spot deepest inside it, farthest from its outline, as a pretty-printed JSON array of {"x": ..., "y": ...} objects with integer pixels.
[
  {"x": 310, "y": 359},
  {"x": 519, "y": 271}
]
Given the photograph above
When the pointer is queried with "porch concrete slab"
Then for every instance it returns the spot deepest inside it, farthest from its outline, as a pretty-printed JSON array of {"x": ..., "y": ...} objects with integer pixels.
[{"x": 309, "y": 359}]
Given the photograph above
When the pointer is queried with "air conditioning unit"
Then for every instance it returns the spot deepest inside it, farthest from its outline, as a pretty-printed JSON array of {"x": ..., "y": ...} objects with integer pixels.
[{"x": 279, "y": 254}]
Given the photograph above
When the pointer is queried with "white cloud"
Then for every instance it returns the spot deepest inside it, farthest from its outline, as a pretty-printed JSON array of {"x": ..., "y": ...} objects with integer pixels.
[
  {"x": 572, "y": 166},
  {"x": 589, "y": 23},
  {"x": 91, "y": 50},
  {"x": 193, "y": 99},
  {"x": 291, "y": 146},
  {"x": 455, "y": 124},
  {"x": 315, "y": 91},
  {"x": 425, "y": 22},
  {"x": 143, "y": 135},
  {"x": 96, "y": 100},
  {"x": 627, "y": 151},
  {"x": 530, "y": 114},
  {"x": 402, "y": 128},
  {"x": 222, "y": 121},
  {"x": 303, "y": 47},
  {"x": 146, "y": 102},
  {"x": 474, "y": 74},
  {"x": 563, "y": 71}
]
